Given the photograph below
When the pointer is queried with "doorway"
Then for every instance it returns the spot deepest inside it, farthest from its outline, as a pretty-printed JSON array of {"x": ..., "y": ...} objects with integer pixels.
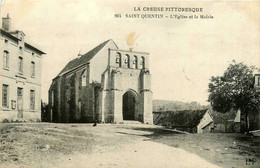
[
  {"x": 129, "y": 105},
  {"x": 20, "y": 102}
]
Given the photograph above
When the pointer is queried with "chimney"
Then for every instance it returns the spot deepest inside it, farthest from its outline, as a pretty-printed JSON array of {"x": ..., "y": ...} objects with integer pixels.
[
  {"x": 6, "y": 23},
  {"x": 130, "y": 49}
]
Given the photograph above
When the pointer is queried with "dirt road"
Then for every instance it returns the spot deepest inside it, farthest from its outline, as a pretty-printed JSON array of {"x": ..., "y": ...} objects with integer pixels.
[
  {"x": 144, "y": 154},
  {"x": 105, "y": 146}
]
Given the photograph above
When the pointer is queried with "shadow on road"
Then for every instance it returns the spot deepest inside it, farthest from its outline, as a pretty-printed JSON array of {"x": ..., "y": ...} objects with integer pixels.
[{"x": 223, "y": 149}]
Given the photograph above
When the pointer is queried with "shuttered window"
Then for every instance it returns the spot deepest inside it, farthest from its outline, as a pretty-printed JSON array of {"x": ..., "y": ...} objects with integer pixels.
[
  {"x": 32, "y": 99},
  {"x": 5, "y": 95},
  {"x": 6, "y": 59},
  {"x": 32, "y": 69},
  {"x": 20, "y": 64}
]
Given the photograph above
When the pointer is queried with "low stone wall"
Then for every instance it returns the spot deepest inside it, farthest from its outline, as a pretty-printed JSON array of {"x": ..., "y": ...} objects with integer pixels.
[{"x": 227, "y": 127}]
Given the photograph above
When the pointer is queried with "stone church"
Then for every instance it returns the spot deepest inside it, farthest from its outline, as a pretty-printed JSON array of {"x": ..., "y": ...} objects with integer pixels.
[{"x": 106, "y": 84}]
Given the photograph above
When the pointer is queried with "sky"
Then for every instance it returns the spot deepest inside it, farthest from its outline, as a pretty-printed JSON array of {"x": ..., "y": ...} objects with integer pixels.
[{"x": 184, "y": 53}]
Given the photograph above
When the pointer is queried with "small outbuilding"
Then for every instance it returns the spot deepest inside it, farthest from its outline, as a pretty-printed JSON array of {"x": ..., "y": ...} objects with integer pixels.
[{"x": 193, "y": 121}]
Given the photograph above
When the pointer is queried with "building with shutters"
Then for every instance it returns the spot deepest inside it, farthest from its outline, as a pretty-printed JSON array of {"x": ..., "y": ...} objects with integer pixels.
[
  {"x": 20, "y": 75},
  {"x": 106, "y": 84}
]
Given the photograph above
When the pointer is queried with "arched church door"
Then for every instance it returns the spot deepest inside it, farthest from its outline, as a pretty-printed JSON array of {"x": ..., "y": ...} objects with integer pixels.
[{"x": 129, "y": 103}]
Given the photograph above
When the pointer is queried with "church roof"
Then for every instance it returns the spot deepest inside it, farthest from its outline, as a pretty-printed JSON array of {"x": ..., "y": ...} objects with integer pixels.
[
  {"x": 186, "y": 118},
  {"x": 84, "y": 58}
]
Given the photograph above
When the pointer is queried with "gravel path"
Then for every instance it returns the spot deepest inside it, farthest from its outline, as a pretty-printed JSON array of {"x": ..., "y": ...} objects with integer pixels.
[
  {"x": 133, "y": 150},
  {"x": 143, "y": 154}
]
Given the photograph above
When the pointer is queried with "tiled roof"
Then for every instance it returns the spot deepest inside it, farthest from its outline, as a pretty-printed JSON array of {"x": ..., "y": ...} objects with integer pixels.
[
  {"x": 83, "y": 59},
  {"x": 14, "y": 37},
  {"x": 9, "y": 35},
  {"x": 186, "y": 118}
]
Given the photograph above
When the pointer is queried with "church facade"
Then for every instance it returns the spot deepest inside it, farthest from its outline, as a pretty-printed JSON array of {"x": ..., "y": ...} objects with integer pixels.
[{"x": 104, "y": 85}]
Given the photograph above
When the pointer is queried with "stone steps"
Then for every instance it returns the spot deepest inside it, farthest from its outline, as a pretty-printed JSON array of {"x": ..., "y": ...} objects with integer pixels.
[{"x": 131, "y": 122}]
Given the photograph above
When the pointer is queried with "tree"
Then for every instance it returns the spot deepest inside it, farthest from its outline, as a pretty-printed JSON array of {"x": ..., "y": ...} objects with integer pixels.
[
  {"x": 44, "y": 111},
  {"x": 235, "y": 90}
]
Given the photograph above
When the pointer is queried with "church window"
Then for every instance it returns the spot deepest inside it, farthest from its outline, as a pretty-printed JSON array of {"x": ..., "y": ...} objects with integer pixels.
[
  {"x": 135, "y": 62},
  {"x": 79, "y": 105},
  {"x": 127, "y": 60},
  {"x": 79, "y": 82},
  {"x": 84, "y": 78},
  {"x": 142, "y": 63},
  {"x": 118, "y": 59}
]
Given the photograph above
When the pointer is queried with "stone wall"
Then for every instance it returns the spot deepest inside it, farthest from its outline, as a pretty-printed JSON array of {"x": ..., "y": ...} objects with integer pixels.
[
  {"x": 227, "y": 127},
  {"x": 205, "y": 123},
  {"x": 74, "y": 102},
  {"x": 118, "y": 81}
]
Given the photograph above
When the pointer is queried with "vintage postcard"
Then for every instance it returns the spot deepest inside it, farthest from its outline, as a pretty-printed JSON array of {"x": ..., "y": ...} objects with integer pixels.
[{"x": 113, "y": 83}]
